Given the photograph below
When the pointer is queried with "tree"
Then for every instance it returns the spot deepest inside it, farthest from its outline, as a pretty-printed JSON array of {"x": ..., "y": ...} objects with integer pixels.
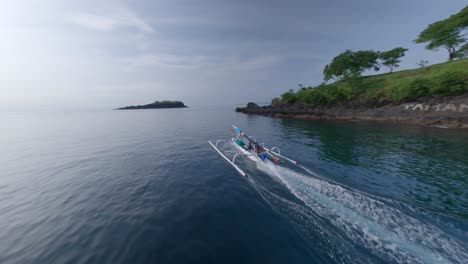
[
  {"x": 391, "y": 58},
  {"x": 459, "y": 20},
  {"x": 447, "y": 33},
  {"x": 339, "y": 65},
  {"x": 462, "y": 51},
  {"x": 350, "y": 65}
]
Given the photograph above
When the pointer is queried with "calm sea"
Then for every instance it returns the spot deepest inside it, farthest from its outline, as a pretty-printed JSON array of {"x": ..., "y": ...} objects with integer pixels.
[{"x": 143, "y": 186}]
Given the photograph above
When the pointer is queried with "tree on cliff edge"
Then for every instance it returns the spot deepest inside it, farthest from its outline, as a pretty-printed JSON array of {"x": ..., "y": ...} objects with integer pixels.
[
  {"x": 391, "y": 58},
  {"x": 448, "y": 34},
  {"x": 349, "y": 65}
]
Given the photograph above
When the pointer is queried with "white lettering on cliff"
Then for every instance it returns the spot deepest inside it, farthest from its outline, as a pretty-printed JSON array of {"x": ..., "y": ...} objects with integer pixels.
[
  {"x": 418, "y": 106},
  {"x": 438, "y": 107},
  {"x": 462, "y": 108},
  {"x": 408, "y": 106},
  {"x": 450, "y": 107}
]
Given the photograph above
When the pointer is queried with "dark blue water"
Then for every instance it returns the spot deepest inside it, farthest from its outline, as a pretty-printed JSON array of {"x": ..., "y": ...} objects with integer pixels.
[{"x": 144, "y": 186}]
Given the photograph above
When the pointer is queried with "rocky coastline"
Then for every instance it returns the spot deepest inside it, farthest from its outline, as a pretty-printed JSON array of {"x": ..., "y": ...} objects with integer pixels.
[{"x": 435, "y": 111}]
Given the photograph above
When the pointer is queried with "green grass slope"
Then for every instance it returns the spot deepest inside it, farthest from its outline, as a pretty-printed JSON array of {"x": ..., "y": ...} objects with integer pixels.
[{"x": 445, "y": 79}]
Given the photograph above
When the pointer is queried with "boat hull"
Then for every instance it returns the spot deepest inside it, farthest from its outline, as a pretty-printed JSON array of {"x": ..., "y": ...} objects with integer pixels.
[{"x": 250, "y": 155}]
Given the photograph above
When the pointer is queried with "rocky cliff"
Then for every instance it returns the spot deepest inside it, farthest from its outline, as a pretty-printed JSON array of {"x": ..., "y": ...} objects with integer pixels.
[{"x": 448, "y": 112}]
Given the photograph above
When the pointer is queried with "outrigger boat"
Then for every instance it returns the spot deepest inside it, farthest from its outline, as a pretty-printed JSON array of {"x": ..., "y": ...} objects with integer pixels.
[{"x": 247, "y": 146}]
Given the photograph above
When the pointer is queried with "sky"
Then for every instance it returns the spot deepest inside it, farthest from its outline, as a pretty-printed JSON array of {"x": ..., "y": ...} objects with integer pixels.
[{"x": 107, "y": 54}]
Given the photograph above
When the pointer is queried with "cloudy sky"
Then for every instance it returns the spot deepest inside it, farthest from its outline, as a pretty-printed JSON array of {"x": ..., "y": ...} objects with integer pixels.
[{"x": 59, "y": 53}]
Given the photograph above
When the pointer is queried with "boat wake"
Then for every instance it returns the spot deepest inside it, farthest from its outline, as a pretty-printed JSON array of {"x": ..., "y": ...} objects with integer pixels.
[{"x": 350, "y": 220}]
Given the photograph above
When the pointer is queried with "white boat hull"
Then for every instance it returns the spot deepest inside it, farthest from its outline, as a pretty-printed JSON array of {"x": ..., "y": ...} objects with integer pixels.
[{"x": 249, "y": 154}]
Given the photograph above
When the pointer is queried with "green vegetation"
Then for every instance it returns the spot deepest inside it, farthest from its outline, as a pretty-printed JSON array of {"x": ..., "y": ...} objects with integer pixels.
[
  {"x": 450, "y": 78},
  {"x": 350, "y": 65},
  {"x": 156, "y": 104},
  {"x": 392, "y": 57},
  {"x": 347, "y": 68},
  {"x": 448, "y": 34}
]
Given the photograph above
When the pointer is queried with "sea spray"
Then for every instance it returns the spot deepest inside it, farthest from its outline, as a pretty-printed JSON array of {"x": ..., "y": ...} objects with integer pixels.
[
  {"x": 311, "y": 226},
  {"x": 386, "y": 231}
]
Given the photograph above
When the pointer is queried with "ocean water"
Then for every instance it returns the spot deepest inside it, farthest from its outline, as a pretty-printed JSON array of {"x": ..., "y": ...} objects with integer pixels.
[{"x": 143, "y": 186}]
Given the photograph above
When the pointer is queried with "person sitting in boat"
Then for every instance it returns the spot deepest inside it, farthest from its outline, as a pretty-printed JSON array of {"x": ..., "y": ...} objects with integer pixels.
[
  {"x": 276, "y": 159},
  {"x": 249, "y": 146},
  {"x": 259, "y": 149}
]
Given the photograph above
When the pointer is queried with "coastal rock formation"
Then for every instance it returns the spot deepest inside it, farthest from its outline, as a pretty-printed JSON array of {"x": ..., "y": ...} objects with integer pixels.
[
  {"x": 448, "y": 112},
  {"x": 155, "y": 105}
]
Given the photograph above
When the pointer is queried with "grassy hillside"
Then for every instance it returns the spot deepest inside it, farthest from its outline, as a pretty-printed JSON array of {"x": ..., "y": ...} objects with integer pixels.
[{"x": 450, "y": 78}]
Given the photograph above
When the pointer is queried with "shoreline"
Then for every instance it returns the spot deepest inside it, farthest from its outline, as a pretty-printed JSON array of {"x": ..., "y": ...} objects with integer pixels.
[{"x": 441, "y": 112}]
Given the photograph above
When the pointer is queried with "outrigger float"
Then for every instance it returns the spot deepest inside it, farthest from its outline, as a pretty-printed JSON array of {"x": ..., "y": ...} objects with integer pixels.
[{"x": 247, "y": 146}]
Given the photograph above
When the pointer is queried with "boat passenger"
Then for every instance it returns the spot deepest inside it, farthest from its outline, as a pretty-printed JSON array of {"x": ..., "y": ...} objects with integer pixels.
[
  {"x": 249, "y": 146},
  {"x": 259, "y": 149}
]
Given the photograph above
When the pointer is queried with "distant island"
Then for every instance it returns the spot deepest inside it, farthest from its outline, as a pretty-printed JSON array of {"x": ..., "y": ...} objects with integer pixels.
[{"x": 156, "y": 105}]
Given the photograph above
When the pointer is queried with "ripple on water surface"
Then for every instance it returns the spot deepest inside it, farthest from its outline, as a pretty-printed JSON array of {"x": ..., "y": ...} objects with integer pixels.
[{"x": 143, "y": 186}]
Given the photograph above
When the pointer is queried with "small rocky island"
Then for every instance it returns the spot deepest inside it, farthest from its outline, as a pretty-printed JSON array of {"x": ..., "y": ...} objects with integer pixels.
[{"x": 156, "y": 105}]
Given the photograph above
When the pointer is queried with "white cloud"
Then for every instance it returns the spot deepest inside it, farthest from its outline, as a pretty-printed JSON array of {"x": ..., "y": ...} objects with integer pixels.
[
  {"x": 169, "y": 61},
  {"x": 188, "y": 51},
  {"x": 117, "y": 19}
]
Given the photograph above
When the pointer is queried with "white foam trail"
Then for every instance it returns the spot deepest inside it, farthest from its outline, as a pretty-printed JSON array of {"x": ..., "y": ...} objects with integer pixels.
[
  {"x": 310, "y": 226},
  {"x": 385, "y": 230}
]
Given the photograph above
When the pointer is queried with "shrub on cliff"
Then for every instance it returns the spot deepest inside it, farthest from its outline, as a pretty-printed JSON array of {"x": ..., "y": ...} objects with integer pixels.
[
  {"x": 289, "y": 97},
  {"x": 314, "y": 96},
  {"x": 323, "y": 94},
  {"x": 303, "y": 94},
  {"x": 334, "y": 93},
  {"x": 450, "y": 83},
  {"x": 419, "y": 87},
  {"x": 275, "y": 101},
  {"x": 447, "y": 83}
]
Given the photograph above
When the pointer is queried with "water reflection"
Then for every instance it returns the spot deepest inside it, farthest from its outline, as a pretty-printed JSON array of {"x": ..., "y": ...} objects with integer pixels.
[{"x": 426, "y": 166}]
